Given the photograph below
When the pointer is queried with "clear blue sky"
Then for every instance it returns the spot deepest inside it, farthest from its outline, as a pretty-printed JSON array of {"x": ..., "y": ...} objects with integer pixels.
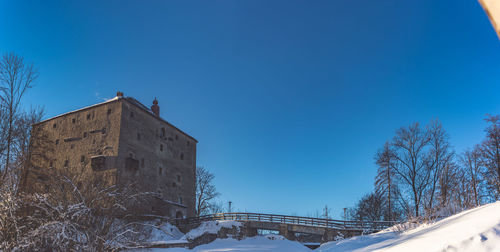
[{"x": 289, "y": 100}]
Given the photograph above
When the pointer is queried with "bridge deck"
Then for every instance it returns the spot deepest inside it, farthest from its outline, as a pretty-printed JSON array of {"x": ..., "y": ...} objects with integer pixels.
[{"x": 343, "y": 225}]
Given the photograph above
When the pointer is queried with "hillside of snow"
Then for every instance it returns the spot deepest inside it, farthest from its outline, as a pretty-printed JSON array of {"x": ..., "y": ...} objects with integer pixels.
[{"x": 477, "y": 229}]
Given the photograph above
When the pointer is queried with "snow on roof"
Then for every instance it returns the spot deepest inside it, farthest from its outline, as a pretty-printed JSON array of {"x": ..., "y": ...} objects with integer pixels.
[
  {"x": 129, "y": 99},
  {"x": 78, "y": 110}
]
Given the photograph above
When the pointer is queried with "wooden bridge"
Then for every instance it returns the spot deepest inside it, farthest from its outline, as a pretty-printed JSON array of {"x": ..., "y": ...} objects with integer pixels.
[{"x": 288, "y": 225}]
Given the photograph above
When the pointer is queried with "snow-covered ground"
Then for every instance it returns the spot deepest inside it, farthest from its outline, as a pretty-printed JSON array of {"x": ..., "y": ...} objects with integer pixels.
[
  {"x": 477, "y": 229},
  {"x": 259, "y": 243},
  {"x": 473, "y": 230}
]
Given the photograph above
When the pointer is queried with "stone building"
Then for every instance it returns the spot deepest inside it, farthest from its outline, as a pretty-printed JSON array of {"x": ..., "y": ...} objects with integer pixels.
[{"x": 126, "y": 144}]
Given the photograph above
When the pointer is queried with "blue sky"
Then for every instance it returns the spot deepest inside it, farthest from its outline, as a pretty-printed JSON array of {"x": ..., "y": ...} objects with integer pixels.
[{"x": 289, "y": 100}]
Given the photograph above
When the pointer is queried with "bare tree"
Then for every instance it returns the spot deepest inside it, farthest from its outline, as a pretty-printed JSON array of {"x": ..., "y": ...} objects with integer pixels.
[
  {"x": 411, "y": 157},
  {"x": 471, "y": 163},
  {"x": 439, "y": 159},
  {"x": 16, "y": 77},
  {"x": 385, "y": 180},
  {"x": 369, "y": 208},
  {"x": 205, "y": 191},
  {"x": 490, "y": 150}
]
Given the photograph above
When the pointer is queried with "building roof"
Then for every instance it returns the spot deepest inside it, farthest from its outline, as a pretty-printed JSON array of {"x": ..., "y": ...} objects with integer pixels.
[{"x": 131, "y": 100}]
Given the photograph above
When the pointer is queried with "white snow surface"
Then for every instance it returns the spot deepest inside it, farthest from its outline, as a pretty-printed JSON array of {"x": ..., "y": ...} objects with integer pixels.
[
  {"x": 164, "y": 232},
  {"x": 477, "y": 229},
  {"x": 258, "y": 243},
  {"x": 211, "y": 227}
]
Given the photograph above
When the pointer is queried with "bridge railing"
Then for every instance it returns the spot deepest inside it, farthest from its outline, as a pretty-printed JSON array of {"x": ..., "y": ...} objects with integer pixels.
[{"x": 287, "y": 219}]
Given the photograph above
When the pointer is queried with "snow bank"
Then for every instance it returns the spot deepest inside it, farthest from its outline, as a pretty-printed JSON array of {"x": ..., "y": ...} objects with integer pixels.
[
  {"x": 248, "y": 245},
  {"x": 473, "y": 230},
  {"x": 162, "y": 232},
  {"x": 211, "y": 227}
]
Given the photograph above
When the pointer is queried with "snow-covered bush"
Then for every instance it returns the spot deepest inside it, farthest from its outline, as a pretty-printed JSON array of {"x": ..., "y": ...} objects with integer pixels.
[{"x": 70, "y": 216}]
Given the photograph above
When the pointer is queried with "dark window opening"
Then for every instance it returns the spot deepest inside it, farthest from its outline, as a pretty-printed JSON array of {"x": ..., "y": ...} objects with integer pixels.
[
  {"x": 161, "y": 147},
  {"x": 57, "y": 141},
  {"x": 79, "y": 185},
  {"x": 109, "y": 111},
  {"x": 174, "y": 185},
  {"x": 142, "y": 163},
  {"x": 82, "y": 159},
  {"x": 66, "y": 163},
  {"x": 54, "y": 125},
  {"x": 51, "y": 164},
  {"x": 179, "y": 178},
  {"x": 176, "y": 137},
  {"x": 72, "y": 146},
  {"x": 84, "y": 134},
  {"x": 179, "y": 215},
  {"x": 160, "y": 171},
  {"x": 98, "y": 163},
  {"x": 162, "y": 132},
  {"x": 103, "y": 131},
  {"x": 180, "y": 199},
  {"x": 88, "y": 116},
  {"x": 182, "y": 156},
  {"x": 187, "y": 143},
  {"x": 138, "y": 137},
  {"x": 131, "y": 164},
  {"x": 132, "y": 114},
  {"x": 73, "y": 120}
]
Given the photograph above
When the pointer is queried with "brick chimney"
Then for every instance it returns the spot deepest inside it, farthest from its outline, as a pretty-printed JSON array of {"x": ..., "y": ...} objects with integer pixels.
[
  {"x": 155, "y": 108},
  {"x": 119, "y": 94}
]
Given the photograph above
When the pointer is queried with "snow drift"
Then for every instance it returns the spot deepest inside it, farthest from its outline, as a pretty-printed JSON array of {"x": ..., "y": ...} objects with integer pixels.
[{"x": 477, "y": 229}]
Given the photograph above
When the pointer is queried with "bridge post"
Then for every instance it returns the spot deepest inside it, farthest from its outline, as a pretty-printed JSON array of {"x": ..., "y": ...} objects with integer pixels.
[
  {"x": 290, "y": 235},
  {"x": 329, "y": 235}
]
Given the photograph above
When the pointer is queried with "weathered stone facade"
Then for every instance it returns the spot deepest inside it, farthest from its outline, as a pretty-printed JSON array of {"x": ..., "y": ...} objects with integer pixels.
[{"x": 124, "y": 143}]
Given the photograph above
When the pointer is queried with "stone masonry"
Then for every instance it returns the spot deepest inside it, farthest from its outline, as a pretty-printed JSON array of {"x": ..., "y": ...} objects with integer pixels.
[{"x": 124, "y": 143}]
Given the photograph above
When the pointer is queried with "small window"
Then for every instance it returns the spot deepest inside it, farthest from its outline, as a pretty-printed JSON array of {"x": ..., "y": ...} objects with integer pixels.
[
  {"x": 82, "y": 158},
  {"x": 142, "y": 163},
  {"x": 72, "y": 146},
  {"x": 73, "y": 120},
  {"x": 187, "y": 143},
  {"x": 132, "y": 114},
  {"x": 162, "y": 132},
  {"x": 103, "y": 131},
  {"x": 180, "y": 199},
  {"x": 66, "y": 163},
  {"x": 131, "y": 164},
  {"x": 160, "y": 171},
  {"x": 174, "y": 185},
  {"x": 88, "y": 116},
  {"x": 179, "y": 178},
  {"x": 51, "y": 164},
  {"x": 84, "y": 134},
  {"x": 161, "y": 147},
  {"x": 54, "y": 125},
  {"x": 176, "y": 137},
  {"x": 182, "y": 156},
  {"x": 57, "y": 141},
  {"x": 138, "y": 137},
  {"x": 98, "y": 163},
  {"x": 109, "y": 111}
]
